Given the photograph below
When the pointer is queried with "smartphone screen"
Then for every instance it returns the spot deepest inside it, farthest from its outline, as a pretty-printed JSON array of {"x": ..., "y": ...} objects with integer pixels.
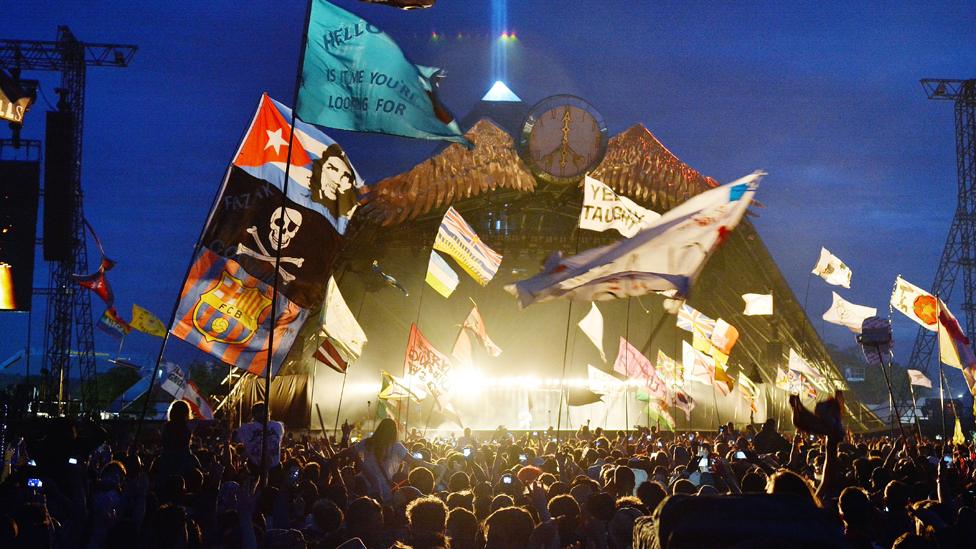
[
  {"x": 506, "y": 479},
  {"x": 35, "y": 483},
  {"x": 703, "y": 464},
  {"x": 522, "y": 457},
  {"x": 418, "y": 455},
  {"x": 72, "y": 461},
  {"x": 740, "y": 455},
  {"x": 466, "y": 452}
]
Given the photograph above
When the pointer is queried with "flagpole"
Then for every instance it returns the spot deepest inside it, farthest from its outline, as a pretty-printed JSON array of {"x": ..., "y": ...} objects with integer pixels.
[
  {"x": 562, "y": 377},
  {"x": 938, "y": 342},
  {"x": 277, "y": 263},
  {"x": 420, "y": 306},
  {"x": 911, "y": 388},
  {"x": 339, "y": 406},
  {"x": 627, "y": 371}
]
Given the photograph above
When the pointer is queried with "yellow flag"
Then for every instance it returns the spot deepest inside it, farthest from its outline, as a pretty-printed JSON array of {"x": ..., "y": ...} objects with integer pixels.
[
  {"x": 144, "y": 321},
  {"x": 957, "y": 436}
]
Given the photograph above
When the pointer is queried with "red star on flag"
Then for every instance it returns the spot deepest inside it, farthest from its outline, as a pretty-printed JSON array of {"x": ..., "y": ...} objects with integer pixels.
[{"x": 267, "y": 140}]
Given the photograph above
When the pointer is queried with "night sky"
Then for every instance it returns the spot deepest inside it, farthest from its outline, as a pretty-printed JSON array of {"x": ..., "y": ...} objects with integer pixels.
[{"x": 823, "y": 96}]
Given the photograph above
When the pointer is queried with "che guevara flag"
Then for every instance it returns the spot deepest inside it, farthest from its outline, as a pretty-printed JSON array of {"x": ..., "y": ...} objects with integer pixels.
[
  {"x": 321, "y": 176},
  {"x": 355, "y": 77},
  {"x": 226, "y": 312}
]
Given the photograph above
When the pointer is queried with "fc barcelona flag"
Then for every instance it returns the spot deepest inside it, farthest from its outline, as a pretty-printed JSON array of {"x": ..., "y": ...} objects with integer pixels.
[{"x": 226, "y": 312}]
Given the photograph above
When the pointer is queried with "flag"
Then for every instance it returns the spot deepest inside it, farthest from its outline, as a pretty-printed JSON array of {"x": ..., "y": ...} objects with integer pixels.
[
  {"x": 684, "y": 402},
  {"x": 226, "y": 312},
  {"x": 581, "y": 396},
  {"x": 429, "y": 366},
  {"x": 604, "y": 209},
  {"x": 667, "y": 255},
  {"x": 395, "y": 388},
  {"x": 798, "y": 364},
  {"x": 724, "y": 336},
  {"x": 701, "y": 343},
  {"x": 321, "y": 176},
  {"x": 722, "y": 381},
  {"x": 809, "y": 390},
  {"x": 915, "y": 303},
  {"x": 693, "y": 320},
  {"x": 474, "y": 326},
  {"x": 631, "y": 363},
  {"x": 697, "y": 365},
  {"x": 440, "y": 275},
  {"x": 112, "y": 324},
  {"x": 97, "y": 282},
  {"x": 340, "y": 325},
  {"x": 14, "y": 99},
  {"x": 457, "y": 239},
  {"x": 354, "y": 77},
  {"x": 758, "y": 304},
  {"x": 248, "y": 225},
  {"x": 916, "y": 377},
  {"x": 957, "y": 436},
  {"x": 954, "y": 347},
  {"x": 327, "y": 354},
  {"x": 601, "y": 382},
  {"x": 179, "y": 387},
  {"x": 782, "y": 379},
  {"x": 592, "y": 326},
  {"x": 830, "y": 268},
  {"x": 794, "y": 381},
  {"x": 388, "y": 279},
  {"x": 658, "y": 414},
  {"x": 669, "y": 370},
  {"x": 198, "y": 403},
  {"x": 146, "y": 322},
  {"x": 748, "y": 390},
  {"x": 845, "y": 313}
]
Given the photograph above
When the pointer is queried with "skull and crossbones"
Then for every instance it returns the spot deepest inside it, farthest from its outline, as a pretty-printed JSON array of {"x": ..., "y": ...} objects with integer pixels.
[{"x": 284, "y": 225}]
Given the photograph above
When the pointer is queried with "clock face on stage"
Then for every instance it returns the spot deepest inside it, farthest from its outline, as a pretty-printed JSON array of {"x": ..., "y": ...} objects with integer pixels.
[{"x": 563, "y": 138}]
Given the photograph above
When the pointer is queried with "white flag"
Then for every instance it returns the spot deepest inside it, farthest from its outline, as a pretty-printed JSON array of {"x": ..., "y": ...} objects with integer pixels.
[
  {"x": 592, "y": 326},
  {"x": 915, "y": 303},
  {"x": 601, "y": 382},
  {"x": 916, "y": 377},
  {"x": 667, "y": 255},
  {"x": 799, "y": 364},
  {"x": 847, "y": 314},
  {"x": 339, "y": 324},
  {"x": 758, "y": 304},
  {"x": 604, "y": 209},
  {"x": 832, "y": 269},
  {"x": 697, "y": 365}
]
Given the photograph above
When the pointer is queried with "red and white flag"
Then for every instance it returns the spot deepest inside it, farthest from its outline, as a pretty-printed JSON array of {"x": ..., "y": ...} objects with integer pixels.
[
  {"x": 474, "y": 326},
  {"x": 425, "y": 364}
]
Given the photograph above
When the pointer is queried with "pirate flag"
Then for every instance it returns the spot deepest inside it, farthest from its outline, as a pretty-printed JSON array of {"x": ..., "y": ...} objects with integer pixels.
[{"x": 248, "y": 226}]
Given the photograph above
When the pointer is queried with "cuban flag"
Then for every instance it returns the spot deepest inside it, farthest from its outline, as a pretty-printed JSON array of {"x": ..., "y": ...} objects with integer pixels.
[{"x": 321, "y": 176}]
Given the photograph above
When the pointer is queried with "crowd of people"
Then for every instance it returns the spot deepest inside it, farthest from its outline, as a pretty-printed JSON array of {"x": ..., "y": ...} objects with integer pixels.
[{"x": 198, "y": 484}]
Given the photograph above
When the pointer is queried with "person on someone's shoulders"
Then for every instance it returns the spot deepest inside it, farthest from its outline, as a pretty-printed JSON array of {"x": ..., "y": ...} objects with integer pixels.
[{"x": 251, "y": 435}]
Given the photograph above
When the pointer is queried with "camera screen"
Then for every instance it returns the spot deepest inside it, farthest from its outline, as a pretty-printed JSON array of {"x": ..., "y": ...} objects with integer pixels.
[
  {"x": 506, "y": 480},
  {"x": 467, "y": 452}
]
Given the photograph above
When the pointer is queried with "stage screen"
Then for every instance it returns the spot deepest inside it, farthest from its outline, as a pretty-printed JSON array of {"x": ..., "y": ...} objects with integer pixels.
[{"x": 19, "y": 187}]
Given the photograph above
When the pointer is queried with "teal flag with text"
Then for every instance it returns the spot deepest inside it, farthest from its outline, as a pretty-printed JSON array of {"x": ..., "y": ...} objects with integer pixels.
[{"x": 356, "y": 78}]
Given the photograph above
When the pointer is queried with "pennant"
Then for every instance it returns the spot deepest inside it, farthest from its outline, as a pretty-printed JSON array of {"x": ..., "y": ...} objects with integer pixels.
[
  {"x": 667, "y": 255},
  {"x": 15, "y": 101},
  {"x": 226, "y": 312},
  {"x": 830, "y": 268},
  {"x": 146, "y": 322},
  {"x": 248, "y": 225},
  {"x": 97, "y": 282},
  {"x": 321, "y": 176},
  {"x": 631, "y": 363},
  {"x": 429, "y": 366},
  {"x": 724, "y": 337},
  {"x": 915, "y": 303},
  {"x": 758, "y": 304},
  {"x": 354, "y": 77},
  {"x": 112, "y": 324},
  {"x": 847, "y": 314},
  {"x": 440, "y": 275},
  {"x": 602, "y": 383},
  {"x": 474, "y": 326},
  {"x": 592, "y": 326},
  {"x": 916, "y": 377},
  {"x": 457, "y": 239},
  {"x": 604, "y": 209},
  {"x": 684, "y": 402},
  {"x": 693, "y": 320},
  {"x": 388, "y": 279}
]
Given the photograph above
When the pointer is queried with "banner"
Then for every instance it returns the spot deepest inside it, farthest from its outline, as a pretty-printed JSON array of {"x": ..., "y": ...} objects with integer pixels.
[
  {"x": 226, "y": 312},
  {"x": 440, "y": 275},
  {"x": 248, "y": 225},
  {"x": 146, "y": 322},
  {"x": 321, "y": 176},
  {"x": 14, "y": 100},
  {"x": 667, "y": 255},
  {"x": 604, "y": 209},
  {"x": 457, "y": 239},
  {"x": 428, "y": 366},
  {"x": 592, "y": 326},
  {"x": 354, "y": 77}
]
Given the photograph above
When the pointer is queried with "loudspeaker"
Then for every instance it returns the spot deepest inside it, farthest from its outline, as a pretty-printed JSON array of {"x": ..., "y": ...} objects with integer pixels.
[
  {"x": 774, "y": 354},
  {"x": 19, "y": 187},
  {"x": 59, "y": 193}
]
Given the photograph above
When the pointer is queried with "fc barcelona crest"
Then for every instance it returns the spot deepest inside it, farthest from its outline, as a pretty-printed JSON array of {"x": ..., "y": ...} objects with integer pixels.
[{"x": 230, "y": 312}]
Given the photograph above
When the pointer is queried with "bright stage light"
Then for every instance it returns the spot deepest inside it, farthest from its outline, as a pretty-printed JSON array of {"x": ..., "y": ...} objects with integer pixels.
[{"x": 7, "y": 301}]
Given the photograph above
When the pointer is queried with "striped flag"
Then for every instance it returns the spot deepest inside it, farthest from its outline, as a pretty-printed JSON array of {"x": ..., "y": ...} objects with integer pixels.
[
  {"x": 724, "y": 336},
  {"x": 440, "y": 275},
  {"x": 112, "y": 324},
  {"x": 693, "y": 320},
  {"x": 457, "y": 239},
  {"x": 703, "y": 344},
  {"x": 330, "y": 356}
]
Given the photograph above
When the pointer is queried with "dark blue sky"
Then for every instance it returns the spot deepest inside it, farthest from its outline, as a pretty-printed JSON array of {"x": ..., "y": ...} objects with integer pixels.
[{"x": 823, "y": 96}]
